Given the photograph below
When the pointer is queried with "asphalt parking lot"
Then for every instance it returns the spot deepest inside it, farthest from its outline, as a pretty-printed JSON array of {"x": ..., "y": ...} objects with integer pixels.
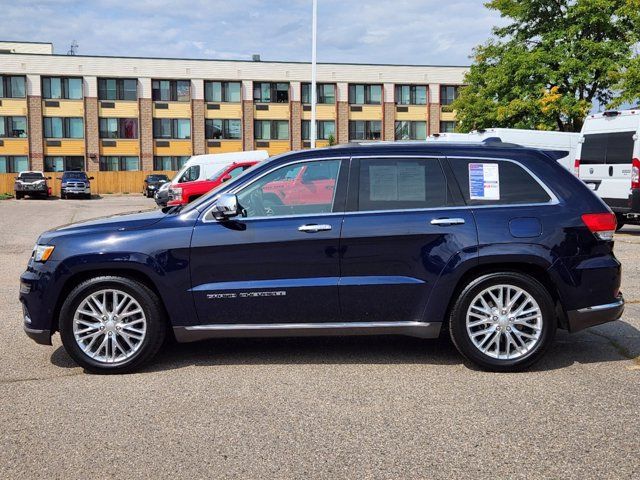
[{"x": 378, "y": 407}]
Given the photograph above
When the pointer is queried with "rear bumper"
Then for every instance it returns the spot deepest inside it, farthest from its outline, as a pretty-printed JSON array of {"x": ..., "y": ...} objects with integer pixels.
[{"x": 595, "y": 315}]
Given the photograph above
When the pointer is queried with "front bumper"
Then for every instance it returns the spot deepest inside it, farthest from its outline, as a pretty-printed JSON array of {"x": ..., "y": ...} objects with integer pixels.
[
  {"x": 75, "y": 191},
  {"x": 42, "y": 337},
  {"x": 595, "y": 315}
]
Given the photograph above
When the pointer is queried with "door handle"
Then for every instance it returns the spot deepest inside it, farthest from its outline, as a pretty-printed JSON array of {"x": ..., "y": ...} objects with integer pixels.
[
  {"x": 313, "y": 228},
  {"x": 443, "y": 222}
]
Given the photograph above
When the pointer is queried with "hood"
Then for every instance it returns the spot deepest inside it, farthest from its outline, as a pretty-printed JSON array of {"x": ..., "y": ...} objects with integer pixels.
[{"x": 124, "y": 221}]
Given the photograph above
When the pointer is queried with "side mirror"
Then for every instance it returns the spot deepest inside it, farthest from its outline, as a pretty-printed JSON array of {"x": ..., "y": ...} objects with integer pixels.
[
  {"x": 91, "y": 178},
  {"x": 48, "y": 178},
  {"x": 16, "y": 178},
  {"x": 226, "y": 178},
  {"x": 226, "y": 207}
]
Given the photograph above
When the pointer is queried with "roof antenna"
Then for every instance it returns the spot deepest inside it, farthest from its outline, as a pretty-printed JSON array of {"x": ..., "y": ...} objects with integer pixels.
[{"x": 73, "y": 49}]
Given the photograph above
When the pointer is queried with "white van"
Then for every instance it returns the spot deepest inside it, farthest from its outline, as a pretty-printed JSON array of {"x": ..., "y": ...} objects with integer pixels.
[
  {"x": 201, "y": 167},
  {"x": 541, "y": 139},
  {"x": 608, "y": 156}
]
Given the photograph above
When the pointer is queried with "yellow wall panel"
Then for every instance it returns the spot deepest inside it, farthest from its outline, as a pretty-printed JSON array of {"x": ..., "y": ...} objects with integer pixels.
[
  {"x": 226, "y": 146},
  {"x": 276, "y": 147},
  {"x": 121, "y": 109},
  {"x": 323, "y": 112},
  {"x": 320, "y": 143},
  {"x": 12, "y": 106},
  {"x": 277, "y": 111},
  {"x": 447, "y": 116},
  {"x": 67, "y": 147},
  {"x": 66, "y": 108},
  {"x": 15, "y": 146},
  {"x": 175, "y": 110},
  {"x": 176, "y": 148},
  {"x": 415, "y": 112},
  {"x": 369, "y": 112},
  {"x": 122, "y": 148},
  {"x": 7, "y": 181},
  {"x": 226, "y": 110}
]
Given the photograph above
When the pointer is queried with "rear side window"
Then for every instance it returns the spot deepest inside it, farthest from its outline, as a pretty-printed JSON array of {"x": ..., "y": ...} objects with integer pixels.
[
  {"x": 398, "y": 184},
  {"x": 496, "y": 182},
  {"x": 607, "y": 148}
]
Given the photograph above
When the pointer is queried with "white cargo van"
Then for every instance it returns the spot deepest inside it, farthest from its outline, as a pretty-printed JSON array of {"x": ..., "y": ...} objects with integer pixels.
[
  {"x": 201, "y": 167},
  {"x": 541, "y": 139},
  {"x": 608, "y": 157}
]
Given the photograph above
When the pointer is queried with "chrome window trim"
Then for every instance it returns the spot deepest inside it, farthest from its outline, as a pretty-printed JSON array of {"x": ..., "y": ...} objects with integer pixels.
[
  {"x": 236, "y": 189},
  {"x": 553, "y": 198}
]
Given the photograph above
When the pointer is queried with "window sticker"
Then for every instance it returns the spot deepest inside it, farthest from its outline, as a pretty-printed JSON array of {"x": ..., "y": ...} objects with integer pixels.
[
  {"x": 383, "y": 183},
  {"x": 411, "y": 184},
  {"x": 484, "y": 181}
]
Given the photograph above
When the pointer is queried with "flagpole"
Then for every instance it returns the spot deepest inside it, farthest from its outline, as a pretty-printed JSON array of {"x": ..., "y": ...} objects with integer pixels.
[{"x": 314, "y": 27}]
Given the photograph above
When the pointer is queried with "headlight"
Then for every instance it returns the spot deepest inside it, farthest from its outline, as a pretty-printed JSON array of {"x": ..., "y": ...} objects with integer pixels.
[
  {"x": 41, "y": 253},
  {"x": 175, "y": 192}
]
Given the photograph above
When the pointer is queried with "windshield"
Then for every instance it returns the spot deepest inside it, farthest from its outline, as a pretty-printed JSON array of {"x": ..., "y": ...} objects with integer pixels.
[
  {"x": 31, "y": 176},
  {"x": 81, "y": 175},
  {"x": 157, "y": 178}
]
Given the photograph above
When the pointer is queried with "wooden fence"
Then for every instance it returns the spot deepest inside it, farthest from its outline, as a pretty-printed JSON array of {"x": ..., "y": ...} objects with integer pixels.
[{"x": 103, "y": 182}]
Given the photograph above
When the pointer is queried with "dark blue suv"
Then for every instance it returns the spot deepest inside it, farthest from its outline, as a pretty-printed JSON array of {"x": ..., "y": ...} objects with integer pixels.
[{"x": 495, "y": 245}]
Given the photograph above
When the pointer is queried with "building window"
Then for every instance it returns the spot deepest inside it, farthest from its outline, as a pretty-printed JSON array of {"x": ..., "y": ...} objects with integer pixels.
[
  {"x": 365, "y": 94},
  {"x": 216, "y": 129},
  {"x": 116, "y": 164},
  {"x": 171, "y": 90},
  {"x": 178, "y": 128},
  {"x": 63, "y": 127},
  {"x": 126, "y": 128},
  {"x": 267, "y": 92},
  {"x": 62, "y": 88},
  {"x": 12, "y": 86},
  {"x": 325, "y": 93},
  {"x": 365, "y": 130},
  {"x": 169, "y": 163},
  {"x": 411, "y": 94},
  {"x": 271, "y": 130},
  {"x": 14, "y": 164},
  {"x": 13, "y": 127},
  {"x": 117, "y": 89},
  {"x": 221, "y": 92},
  {"x": 406, "y": 130},
  {"x": 324, "y": 129},
  {"x": 63, "y": 164},
  {"x": 447, "y": 127},
  {"x": 448, "y": 93}
]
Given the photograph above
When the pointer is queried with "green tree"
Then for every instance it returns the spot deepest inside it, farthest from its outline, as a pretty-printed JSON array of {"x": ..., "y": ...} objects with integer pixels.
[{"x": 548, "y": 65}]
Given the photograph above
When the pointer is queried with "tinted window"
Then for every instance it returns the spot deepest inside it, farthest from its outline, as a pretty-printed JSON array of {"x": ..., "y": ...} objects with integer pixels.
[
  {"x": 401, "y": 184},
  {"x": 607, "y": 148},
  {"x": 298, "y": 189},
  {"x": 516, "y": 185}
]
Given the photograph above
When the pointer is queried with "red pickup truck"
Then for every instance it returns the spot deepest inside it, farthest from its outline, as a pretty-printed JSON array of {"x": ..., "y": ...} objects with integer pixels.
[{"x": 183, "y": 193}]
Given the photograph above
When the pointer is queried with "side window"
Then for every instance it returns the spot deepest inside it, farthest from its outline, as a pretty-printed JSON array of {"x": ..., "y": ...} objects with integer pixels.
[
  {"x": 285, "y": 192},
  {"x": 236, "y": 172},
  {"x": 496, "y": 182},
  {"x": 191, "y": 174},
  {"x": 394, "y": 184}
]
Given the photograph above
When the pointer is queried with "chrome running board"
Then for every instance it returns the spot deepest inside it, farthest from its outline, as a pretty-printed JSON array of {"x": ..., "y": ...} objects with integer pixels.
[{"x": 202, "y": 332}]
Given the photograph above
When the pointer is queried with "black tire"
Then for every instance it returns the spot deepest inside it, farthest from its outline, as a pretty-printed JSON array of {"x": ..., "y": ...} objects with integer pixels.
[
  {"x": 148, "y": 301},
  {"x": 19, "y": 195},
  {"x": 87, "y": 196},
  {"x": 464, "y": 344},
  {"x": 63, "y": 196}
]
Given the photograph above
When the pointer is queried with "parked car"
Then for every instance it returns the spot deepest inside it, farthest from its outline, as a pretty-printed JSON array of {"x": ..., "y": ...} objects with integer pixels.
[
  {"x": 75, "y": 184},
  {"x": 162, "y": 195},
  {"x": 202, "y": 167},
  {"x": 152, "y": 183},
  {"x": 33, "y": 184},
  {"x": 541, "y": 139},
  {"x": 609, "y": 160},
  {"x": 496, "y": 245},
  {"x": 183, "y": 193}
]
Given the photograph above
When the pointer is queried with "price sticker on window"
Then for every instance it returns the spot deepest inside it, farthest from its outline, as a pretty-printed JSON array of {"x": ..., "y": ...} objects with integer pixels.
[{"x": 484, "y": 181}]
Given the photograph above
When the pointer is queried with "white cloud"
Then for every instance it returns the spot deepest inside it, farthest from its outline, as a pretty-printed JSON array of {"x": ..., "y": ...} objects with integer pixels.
[{"x": 376, "y": 31}]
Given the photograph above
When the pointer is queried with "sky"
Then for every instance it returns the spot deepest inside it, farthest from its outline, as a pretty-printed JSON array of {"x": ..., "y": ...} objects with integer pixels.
[{"x": 435, "y": 32}]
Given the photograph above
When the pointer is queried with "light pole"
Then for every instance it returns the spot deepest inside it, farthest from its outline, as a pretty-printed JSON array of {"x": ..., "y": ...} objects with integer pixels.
[{"x": 314, "y": 27}]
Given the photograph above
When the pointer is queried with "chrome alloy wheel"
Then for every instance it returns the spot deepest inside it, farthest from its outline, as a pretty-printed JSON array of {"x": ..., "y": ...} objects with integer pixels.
[
  {"x": 504, "y": 322},
  {"x": 109, "y": 326}
]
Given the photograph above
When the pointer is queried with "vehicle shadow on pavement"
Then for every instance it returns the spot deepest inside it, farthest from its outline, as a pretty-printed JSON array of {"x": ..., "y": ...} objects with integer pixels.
[{"x": 614, "y": 342}]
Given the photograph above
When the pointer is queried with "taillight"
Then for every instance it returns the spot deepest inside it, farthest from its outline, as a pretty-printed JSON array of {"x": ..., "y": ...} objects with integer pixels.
[
  {"x": 635, "y": 173},
  {"x": 602, "y": 225},
  {"x": 576, "y": 167}
]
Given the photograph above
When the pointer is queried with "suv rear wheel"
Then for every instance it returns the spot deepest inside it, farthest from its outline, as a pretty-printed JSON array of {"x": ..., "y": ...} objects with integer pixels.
[
  {"x": 503, "y": 321},
  {"x": 112, "y": 324}
]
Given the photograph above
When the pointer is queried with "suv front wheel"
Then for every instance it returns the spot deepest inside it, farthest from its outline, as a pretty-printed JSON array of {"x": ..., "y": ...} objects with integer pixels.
[
  {"x": 112, "y": 324},
  {"x": 503, "y": 321}
]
